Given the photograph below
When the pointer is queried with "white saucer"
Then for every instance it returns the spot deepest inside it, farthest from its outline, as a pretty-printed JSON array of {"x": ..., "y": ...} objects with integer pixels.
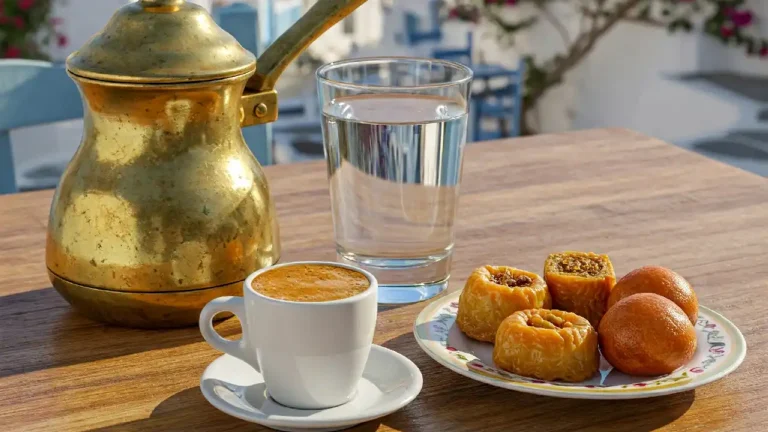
[{"x": 390, "y": 381}]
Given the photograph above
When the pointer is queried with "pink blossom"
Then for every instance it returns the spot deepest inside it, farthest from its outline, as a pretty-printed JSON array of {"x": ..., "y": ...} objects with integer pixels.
[
  {"x": 763, "y": 51},
  {"x": 741, "y": 18},
  {"x": 61, "y": 40},
  {"x": 26, "y": 4},
  {"x": 12, "y": 52},
  {"x": 56, "y": 21},
  {"x": 18, "y": 22},
  {"x": 726, "y": 32},
  {"x": 4, "y": 19}
]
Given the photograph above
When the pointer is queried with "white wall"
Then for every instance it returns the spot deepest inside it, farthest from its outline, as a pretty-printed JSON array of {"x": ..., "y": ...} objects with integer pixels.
[
  {"x": 629, "y": 79},
  {"x": 80, "y": 20}
]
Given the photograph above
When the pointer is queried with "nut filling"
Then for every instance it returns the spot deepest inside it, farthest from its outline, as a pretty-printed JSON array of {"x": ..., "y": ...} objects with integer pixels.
[
  {"x": 548, "y": 321},
  {"x": 510, "y": 280},
  {"x": 580, "y": 265}
]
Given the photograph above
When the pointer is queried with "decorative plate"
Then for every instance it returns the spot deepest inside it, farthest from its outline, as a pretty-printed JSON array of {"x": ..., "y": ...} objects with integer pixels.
[{"x": 720, "y": 350}]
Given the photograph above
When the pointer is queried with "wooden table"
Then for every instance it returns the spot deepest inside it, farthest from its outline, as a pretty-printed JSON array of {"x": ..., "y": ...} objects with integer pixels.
[{"x": 613, "y": 191}]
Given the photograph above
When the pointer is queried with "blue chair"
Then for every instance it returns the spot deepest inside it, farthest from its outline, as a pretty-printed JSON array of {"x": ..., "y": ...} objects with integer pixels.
[
  {"x": 503, "y": 104},
  {"x": 459, "y": 55},
  {"x": 240, "y": 20},
  {"x": 285, "y": 19},
  {"x": 415, "y": 35},
  {"x": 274, "y": 24},
  {"x": 31, "y": 93}
]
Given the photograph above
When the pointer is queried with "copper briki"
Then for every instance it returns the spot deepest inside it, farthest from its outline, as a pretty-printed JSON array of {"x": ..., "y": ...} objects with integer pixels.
[{"x": 163, "y": 207}]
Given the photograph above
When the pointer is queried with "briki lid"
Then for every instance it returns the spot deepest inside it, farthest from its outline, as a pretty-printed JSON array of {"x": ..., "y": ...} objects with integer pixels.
[{"x": 161, "y": 41}]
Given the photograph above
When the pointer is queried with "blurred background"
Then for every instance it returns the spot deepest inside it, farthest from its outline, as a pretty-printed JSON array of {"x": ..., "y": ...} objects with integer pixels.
[{"x": 691, "y": 72}]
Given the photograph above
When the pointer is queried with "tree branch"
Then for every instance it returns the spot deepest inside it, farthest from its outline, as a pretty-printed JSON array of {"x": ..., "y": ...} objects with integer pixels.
[
  {"x": 506, "y": 26},
  {"x": 582, "y": 46},
  {"x": 646, "y": 21},
  {"x": 554, "y": 21},
  {"x": 639, "y": 19}
]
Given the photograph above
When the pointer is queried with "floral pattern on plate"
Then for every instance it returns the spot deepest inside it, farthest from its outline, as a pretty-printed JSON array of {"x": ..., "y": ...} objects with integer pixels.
[{"x": 721, "y": 348}]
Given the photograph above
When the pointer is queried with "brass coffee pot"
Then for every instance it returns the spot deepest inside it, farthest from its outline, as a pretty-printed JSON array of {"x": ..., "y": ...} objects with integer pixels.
[{"x": 163, "y": 207}]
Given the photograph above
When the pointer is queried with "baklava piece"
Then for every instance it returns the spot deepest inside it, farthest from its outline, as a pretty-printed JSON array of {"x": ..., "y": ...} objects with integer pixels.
[
  {"x": 580, "y": 282},
  {"x": 494, "y": 293},
  {"x": 548, "y": 345}
]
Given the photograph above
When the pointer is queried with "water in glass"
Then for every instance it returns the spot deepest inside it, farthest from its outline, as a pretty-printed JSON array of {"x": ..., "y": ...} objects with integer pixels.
[{"x": 394, "y": 164}]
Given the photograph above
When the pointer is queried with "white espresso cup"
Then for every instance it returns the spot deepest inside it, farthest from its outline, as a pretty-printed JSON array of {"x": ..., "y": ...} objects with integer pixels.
[{"x": 311, "y": 354}]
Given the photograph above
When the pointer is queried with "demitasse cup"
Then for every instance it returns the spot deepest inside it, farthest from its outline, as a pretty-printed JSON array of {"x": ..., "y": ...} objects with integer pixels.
[{"x": 307, "y": 328}]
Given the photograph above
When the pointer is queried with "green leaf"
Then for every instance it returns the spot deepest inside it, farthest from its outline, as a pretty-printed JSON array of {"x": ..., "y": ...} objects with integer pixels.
[{"x": 680, "y": 24}]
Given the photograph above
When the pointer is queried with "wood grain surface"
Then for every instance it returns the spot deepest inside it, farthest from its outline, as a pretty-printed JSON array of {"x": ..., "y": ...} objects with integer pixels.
[{"x": 612, "y": 191}]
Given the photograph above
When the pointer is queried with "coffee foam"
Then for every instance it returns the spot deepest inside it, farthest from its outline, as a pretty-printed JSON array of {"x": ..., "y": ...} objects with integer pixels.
[{"x": 310, "y": 283}]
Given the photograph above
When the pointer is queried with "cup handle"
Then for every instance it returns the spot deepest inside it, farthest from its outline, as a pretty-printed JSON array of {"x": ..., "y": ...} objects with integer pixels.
[{"x": 236, "y": 348}]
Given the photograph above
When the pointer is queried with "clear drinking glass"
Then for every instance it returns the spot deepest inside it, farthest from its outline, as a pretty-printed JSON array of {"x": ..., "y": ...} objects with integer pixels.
[{"x": 394, "y": 131}]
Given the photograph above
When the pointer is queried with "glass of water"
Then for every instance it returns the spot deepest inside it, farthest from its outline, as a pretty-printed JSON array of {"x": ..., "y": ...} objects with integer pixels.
[{"x": 394, "y": 131}]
